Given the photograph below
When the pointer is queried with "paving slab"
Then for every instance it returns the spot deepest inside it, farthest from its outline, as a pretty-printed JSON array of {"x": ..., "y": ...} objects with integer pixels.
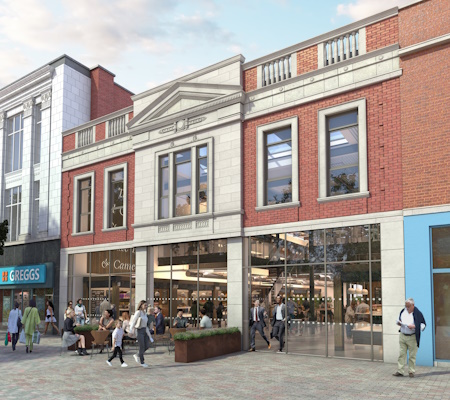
[{"x": 44, "y": 374}]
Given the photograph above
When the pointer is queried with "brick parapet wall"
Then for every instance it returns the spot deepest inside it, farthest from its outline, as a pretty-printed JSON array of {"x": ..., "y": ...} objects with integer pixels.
[
  {"x": 250, "y": 80},
  {"x": 384, "y": 159},
  {"x": 307, "y": 60},
  {"x": 425, "y": 119},
  {"x": 69, "y": 142},
  {"x": 98, "y": 237},
  {"x": 423, "y": 21},
  {"x": 382, "y": 34},
  {"x": 106, "y": 96}
]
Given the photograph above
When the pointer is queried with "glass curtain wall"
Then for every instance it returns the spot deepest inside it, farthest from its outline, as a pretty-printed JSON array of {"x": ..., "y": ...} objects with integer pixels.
[
  {"x": 330, "y": 281},
  {"x": 104, "y": 274},
  {"x": 191, "y": 276}
]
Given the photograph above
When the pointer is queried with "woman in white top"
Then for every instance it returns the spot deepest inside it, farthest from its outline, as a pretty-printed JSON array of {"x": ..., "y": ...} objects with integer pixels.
[
  {"x": 15, "y": 316},
  {"x": 139, "y": 322},
  {"x": 50, "y": 317}
]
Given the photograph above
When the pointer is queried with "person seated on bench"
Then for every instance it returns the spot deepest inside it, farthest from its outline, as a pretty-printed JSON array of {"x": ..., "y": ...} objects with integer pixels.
[
  {"x": 180, "y": 321},
  {"x": 70, "y": 337}
]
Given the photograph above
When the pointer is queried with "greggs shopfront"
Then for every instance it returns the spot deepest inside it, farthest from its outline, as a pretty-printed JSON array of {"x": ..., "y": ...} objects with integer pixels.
[{"x": 21, "y": 284}]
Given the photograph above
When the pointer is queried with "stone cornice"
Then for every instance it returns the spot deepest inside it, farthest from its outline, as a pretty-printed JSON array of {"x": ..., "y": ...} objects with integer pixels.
[
  {"x": 20, "y": 86},
  {"x": 189, "y": 77},
  {"x": 322, "y": 38},
  {"x": 208, "y": 106},
  {"x": 427, "y": 44}
]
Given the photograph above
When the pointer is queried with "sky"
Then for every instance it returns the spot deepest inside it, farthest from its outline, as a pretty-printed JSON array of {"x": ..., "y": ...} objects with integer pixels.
[{"x": 146, "y": 43}]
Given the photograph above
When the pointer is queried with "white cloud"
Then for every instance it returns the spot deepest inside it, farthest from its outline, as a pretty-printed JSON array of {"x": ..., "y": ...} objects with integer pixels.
[
  {"x": 363, "y": 8},
  {"x": 235, "y": 49},
  {"x": 104, "y": 29},
  {"x": 13, "y": 63}
]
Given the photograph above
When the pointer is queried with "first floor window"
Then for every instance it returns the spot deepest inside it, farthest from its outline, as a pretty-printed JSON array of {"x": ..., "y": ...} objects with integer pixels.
[
  {"x": 279, "y": 166},
  {"x": 202, "y": 162},
  {"x": 36, "y": 188},
  {"x": 343, "y": 159},
  {"x": 13, "y": 200},
  {"x": 164, "y": 187},
  {"x": 183, "y": 176},
  {"x": 37, "y": 135},
  {"x": 14, "y": 143},
  {"x": 116, "y": 198},
  {"x": 183, "y": 182},
  {"x": 343, "y": 152},
  {"x": 84, "y": 205}
]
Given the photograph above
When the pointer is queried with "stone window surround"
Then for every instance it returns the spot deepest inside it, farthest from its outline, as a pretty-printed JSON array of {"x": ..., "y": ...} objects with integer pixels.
[
  {"x": 76, "y": 181},
  {"x": 360, "y": 105},
  {"x": 193, "y": 146},
  {"x": 261, "y": 162},
  {"x": 106, "y": 193}
]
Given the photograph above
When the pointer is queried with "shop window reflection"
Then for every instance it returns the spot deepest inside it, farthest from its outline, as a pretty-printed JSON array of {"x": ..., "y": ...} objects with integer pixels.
[{"x": 318, "y": 292}]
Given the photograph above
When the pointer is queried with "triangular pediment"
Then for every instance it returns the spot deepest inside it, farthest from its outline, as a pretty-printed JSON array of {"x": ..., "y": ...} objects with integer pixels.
[{"x": 180, "y": 97}]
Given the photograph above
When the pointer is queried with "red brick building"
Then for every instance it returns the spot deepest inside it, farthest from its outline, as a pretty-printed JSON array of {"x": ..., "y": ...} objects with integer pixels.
[{"x": 312, "y": 159}]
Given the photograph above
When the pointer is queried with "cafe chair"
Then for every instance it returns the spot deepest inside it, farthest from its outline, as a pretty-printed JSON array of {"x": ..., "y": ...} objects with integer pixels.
[
  {"x": 100, "y": 339},
  {"x": 172, "y": 332}
]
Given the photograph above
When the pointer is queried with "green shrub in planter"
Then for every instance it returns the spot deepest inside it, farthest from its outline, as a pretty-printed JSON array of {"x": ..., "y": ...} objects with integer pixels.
[
  {"x": 85, "y": 328},
  {"x": 191, "y": 335}
]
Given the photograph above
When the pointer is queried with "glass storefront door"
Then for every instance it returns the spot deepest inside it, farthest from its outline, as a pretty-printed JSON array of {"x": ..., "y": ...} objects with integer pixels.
[
  {"x": 441, "y": 291},
  {"x": 330, "y": 281}
]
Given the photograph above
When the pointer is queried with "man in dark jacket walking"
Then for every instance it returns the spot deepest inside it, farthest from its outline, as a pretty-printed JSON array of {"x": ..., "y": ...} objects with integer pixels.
[{"x": 411, "y": 322}]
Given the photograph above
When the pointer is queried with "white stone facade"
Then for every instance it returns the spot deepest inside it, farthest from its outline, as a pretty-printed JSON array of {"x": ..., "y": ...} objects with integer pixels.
[{"x": 62, "y": 91}]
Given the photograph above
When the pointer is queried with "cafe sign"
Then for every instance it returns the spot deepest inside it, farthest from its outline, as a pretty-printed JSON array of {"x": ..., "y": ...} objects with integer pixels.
[{"x": 23, "y": 275}]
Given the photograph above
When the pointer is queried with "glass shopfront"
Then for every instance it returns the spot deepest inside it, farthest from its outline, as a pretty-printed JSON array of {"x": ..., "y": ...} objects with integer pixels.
[
  {"x": 21, "y": 284},
  {"x": 190, "y": 276},
  {"x": 104, "y": 274},
  {"x": 330, "y": 281}
]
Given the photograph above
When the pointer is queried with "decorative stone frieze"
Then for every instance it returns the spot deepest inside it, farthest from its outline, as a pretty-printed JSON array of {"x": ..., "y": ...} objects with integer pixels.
[
  {"x": 46, "y": 98},
  {"x": 2, "y": 119},
  {"x": 163, "y": 228},
  {"x": 28, "y": 108},
  {"x": 182, "y": 125},
  {"x": 182, "y": 226}
]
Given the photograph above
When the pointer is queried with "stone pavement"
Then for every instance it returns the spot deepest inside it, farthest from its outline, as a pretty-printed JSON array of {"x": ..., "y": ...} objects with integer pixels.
[{"x": 43, "y": 374}]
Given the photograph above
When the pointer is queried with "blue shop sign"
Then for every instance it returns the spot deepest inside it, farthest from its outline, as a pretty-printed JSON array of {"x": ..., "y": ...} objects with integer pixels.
[{"x": 24, "y": 275}]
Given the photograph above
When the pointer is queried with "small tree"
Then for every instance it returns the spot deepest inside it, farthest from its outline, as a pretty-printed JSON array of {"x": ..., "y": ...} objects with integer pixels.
[{"x": 3, "y": 234}]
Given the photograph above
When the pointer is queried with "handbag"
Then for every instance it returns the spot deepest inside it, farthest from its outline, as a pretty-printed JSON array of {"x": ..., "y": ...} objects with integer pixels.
[
  {"x": 19, "y": 324},
  {"x": 9, "y": 337},
  {"x": 22, "y": 338},
  {"x": 138, "y": 323},
  {"x": 6, "y": 339},
  {"x": 36, "y": 337}
]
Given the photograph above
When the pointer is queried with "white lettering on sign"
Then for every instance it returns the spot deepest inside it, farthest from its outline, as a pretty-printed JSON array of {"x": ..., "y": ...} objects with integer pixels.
[
  {"x": 119, "y": 265},
  {"x": 29, "y": 274}
]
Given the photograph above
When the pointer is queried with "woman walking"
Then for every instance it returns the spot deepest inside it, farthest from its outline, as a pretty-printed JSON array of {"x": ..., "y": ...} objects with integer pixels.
[
  {"x": 50, "y": 317},
  {"x": 139, "y": 322},
  {"x": 70, "y": 337},
  {"x": 30, "y": 323},
  {"x": 15, "y": 317}
]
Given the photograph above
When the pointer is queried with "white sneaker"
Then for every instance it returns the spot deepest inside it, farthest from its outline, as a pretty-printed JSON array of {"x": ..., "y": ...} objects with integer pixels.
[
  {"x": 109, "y": 363},
  {"x": 136, "y": 358},
  {"x": 144, "y": 365},
  {"x": 124, "y": 365}
]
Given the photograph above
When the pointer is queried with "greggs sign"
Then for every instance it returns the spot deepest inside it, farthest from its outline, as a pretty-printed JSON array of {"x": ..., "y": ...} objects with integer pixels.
[{"x": 23, "y": 275}]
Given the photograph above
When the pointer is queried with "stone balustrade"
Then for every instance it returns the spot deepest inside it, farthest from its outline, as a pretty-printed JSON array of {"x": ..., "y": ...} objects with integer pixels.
[
  {"x": 277, "y": 70},
  {"x": 343, "y": 47},
  {"x": 85, "y": 137},
  {"x": 117, "y": 126}
]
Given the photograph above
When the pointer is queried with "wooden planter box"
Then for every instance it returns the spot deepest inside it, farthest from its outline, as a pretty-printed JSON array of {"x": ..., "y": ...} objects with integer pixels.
[
  {"x": 87, "y": 337},
  {"x": 187, "y": 351}
]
